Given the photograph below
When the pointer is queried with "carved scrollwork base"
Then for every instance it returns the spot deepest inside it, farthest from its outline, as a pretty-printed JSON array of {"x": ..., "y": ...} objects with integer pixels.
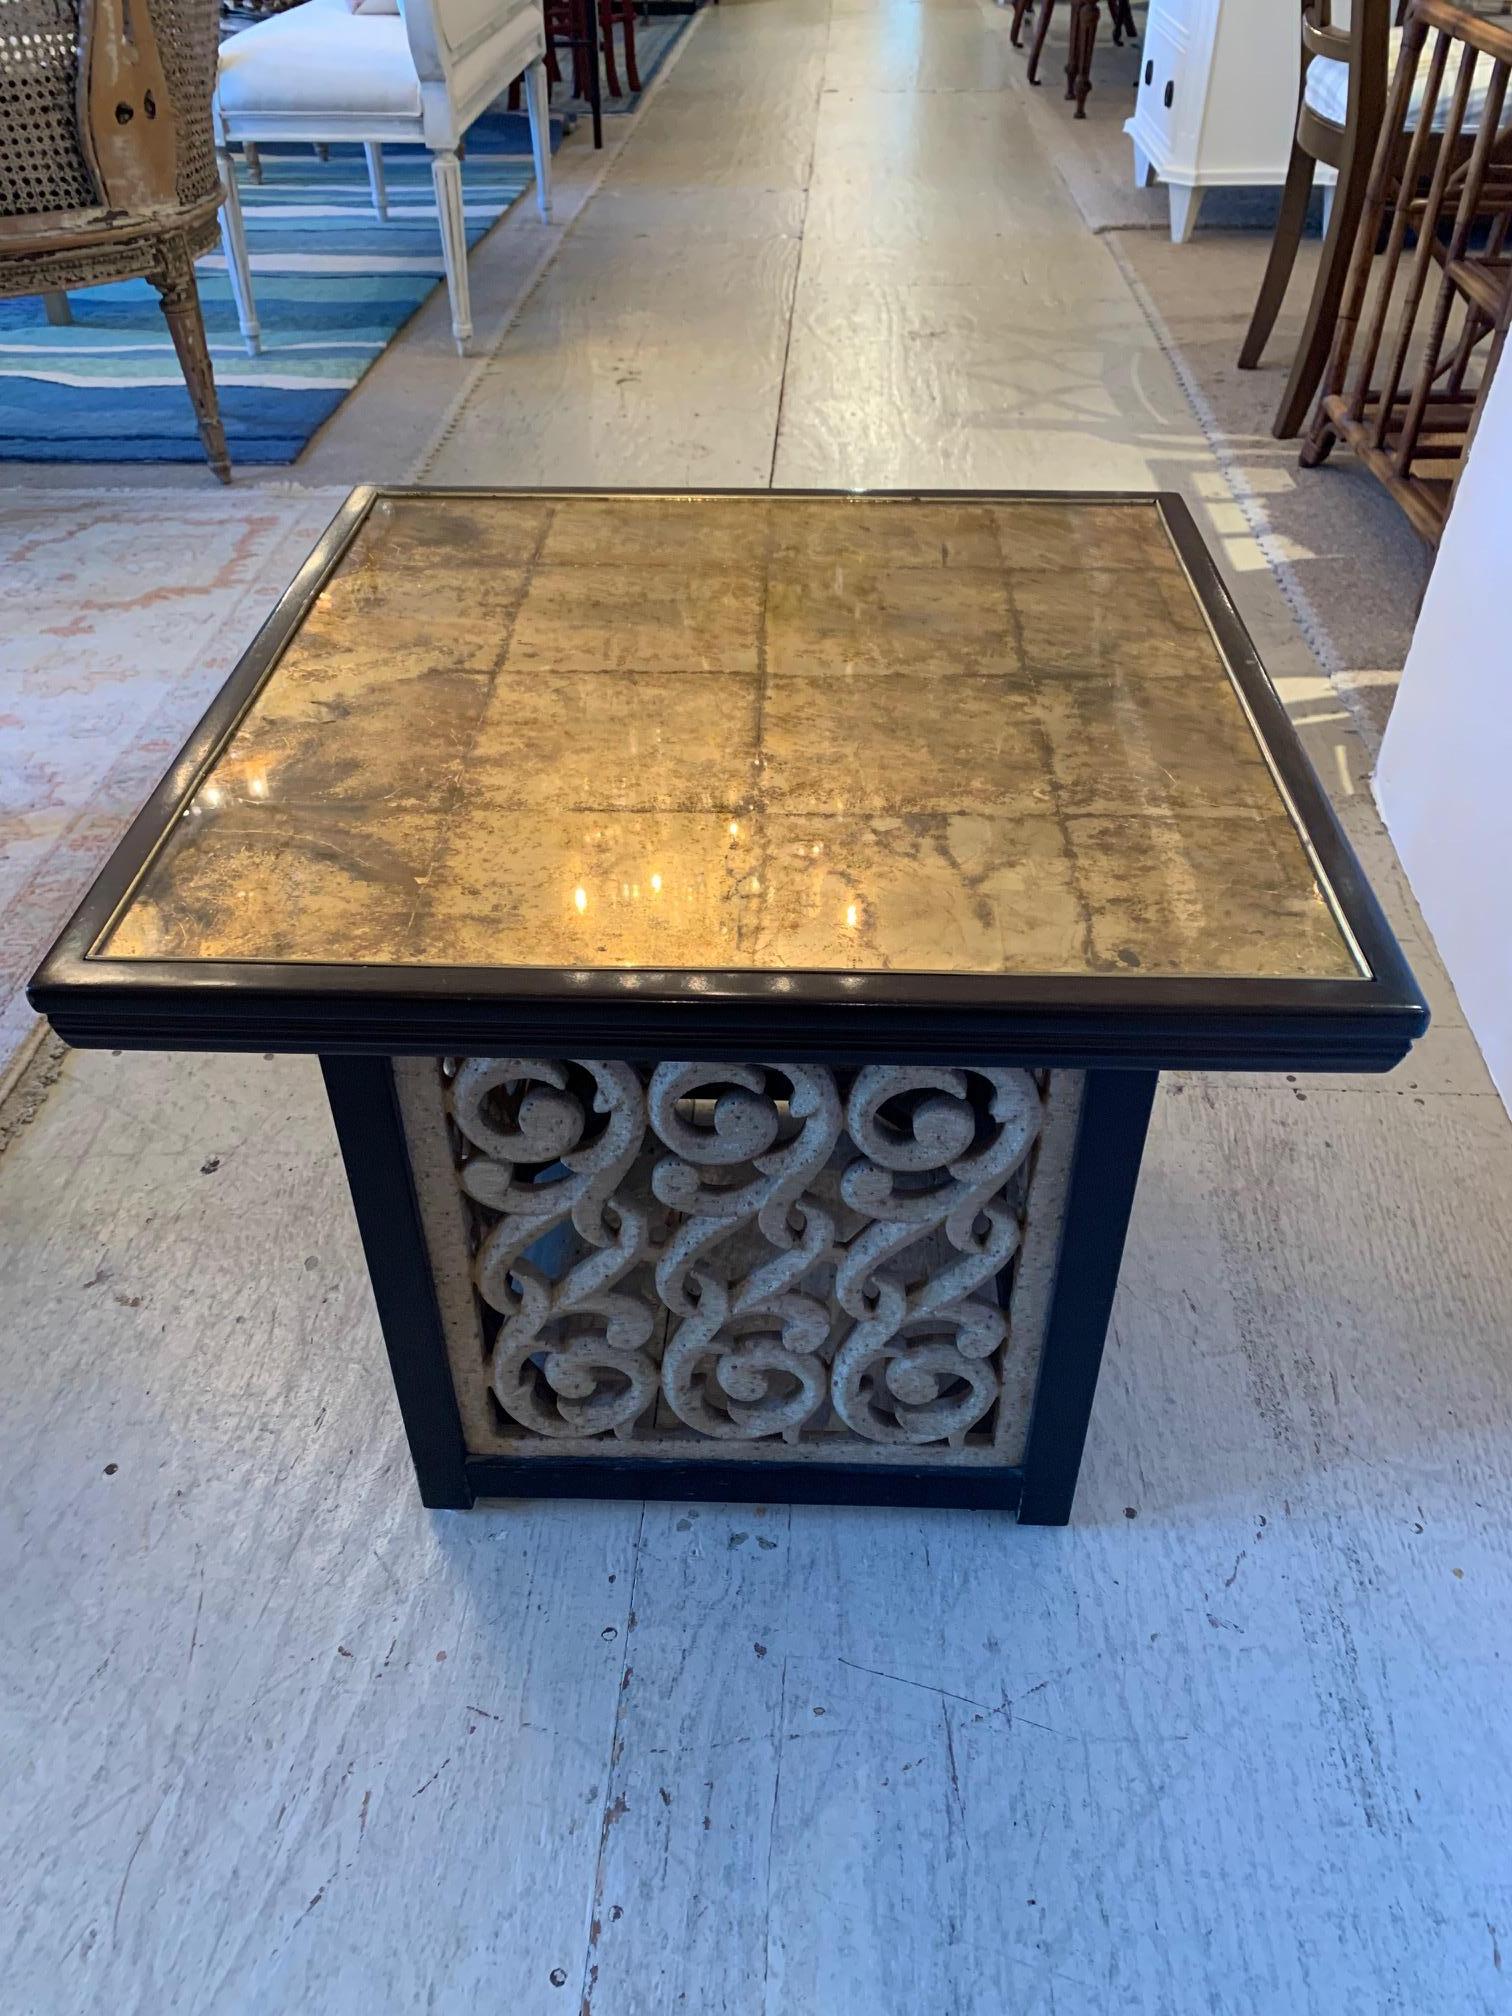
[{"x": 775, "y": 1258}]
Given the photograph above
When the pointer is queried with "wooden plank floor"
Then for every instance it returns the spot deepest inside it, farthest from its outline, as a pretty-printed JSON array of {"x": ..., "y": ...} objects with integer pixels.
[{"x": 277, "y": 1740}]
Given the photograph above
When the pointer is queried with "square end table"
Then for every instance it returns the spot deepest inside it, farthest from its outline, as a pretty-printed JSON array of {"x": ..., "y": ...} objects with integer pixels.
[{"x": 742, "y": 933}]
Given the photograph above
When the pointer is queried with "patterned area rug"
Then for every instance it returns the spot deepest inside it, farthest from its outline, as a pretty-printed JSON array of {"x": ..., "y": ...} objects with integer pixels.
[
  {"x": 334, "y": 283},
  {"x": 123, "y": 616}
]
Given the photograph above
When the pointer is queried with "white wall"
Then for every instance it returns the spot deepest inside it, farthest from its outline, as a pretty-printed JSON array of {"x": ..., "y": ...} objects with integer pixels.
[{"x": 1445, "y": 777}]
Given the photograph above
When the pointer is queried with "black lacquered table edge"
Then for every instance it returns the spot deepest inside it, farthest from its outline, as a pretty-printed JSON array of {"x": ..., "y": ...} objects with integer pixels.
[{"x": 1148, "y": 1022}]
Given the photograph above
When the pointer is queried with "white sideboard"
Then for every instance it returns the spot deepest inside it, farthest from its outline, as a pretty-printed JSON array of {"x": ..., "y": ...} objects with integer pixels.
[{"x": 1217, "y": 107}]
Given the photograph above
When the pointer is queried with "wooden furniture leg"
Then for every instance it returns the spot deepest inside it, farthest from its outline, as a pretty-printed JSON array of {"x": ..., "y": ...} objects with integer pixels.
[
  {"x": 1041, "y": 29},
  {"x": 627, "y": 18},
  {"x": 605, "y": 12},
  {"x": 1311, "y": 359},
  {"x": 1084, "y": 18},
  {"x": 1283, "y": 255},
  {"x": 57, "y": 309},
  {"x": 376, "y": 183},
  {"x": 238, "y": 260},
  {"x": 1020, "y": 9},
  {"x": 174, "y": 281}
]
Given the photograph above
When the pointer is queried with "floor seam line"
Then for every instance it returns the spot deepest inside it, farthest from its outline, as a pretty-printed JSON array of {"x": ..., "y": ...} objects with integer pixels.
[
  {"x": 609, "y": 1816},
  {"x": 448, "y": 422},
  {"x": 808, "y": 186}
]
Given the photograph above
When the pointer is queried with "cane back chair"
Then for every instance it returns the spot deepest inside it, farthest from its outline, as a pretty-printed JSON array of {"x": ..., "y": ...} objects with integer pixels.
[{"x": 107, "y": 167}]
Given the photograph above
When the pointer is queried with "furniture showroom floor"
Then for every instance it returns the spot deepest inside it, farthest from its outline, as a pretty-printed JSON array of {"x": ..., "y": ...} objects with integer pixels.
[{"x": 280, "y": 1740}]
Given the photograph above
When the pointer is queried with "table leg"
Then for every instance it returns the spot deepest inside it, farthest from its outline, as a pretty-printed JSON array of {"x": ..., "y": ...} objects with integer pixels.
[
  {"x": 1109, "y": 1148},
  {"x": 365, "y": 1108}
]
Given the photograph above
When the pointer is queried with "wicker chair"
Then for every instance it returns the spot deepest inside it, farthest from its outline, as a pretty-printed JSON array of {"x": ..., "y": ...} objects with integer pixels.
[{"x": 107, "y": 166}]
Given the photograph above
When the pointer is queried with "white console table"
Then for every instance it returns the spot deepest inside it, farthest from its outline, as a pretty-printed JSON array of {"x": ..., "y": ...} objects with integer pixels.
[{"x": 1217, "y": 104}]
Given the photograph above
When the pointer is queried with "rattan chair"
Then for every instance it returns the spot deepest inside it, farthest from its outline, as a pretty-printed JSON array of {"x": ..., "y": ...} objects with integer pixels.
[{"x": 107, "y": 166}]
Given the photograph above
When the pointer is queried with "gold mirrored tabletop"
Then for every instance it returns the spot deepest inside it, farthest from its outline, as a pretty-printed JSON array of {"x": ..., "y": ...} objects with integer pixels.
[{"x": 959, "y": 736}]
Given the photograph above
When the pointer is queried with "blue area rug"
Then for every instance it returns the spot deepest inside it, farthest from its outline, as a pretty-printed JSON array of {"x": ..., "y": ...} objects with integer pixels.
[{"x": 333, "y": 284}]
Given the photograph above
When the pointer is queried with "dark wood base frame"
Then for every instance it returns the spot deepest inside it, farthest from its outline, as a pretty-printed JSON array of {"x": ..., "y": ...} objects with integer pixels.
[{"x": 1109, "y": 1144}]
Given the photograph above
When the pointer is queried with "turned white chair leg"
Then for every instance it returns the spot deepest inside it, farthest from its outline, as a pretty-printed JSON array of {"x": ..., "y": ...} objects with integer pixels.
[
  {"x": 538, "y": 105},
  {"x": 374, "y": 151},
  {"x": 446, "y": 173},
  {"x": 234, "y": 245}
]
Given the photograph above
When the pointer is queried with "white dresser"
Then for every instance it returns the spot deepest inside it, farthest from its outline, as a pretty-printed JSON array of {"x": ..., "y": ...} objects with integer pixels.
[{"x": 1217, "y": 100}]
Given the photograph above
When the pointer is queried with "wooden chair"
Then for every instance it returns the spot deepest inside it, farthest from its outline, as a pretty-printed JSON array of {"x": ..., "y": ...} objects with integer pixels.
[
  {"x": 1085, "y": 15},
  {"x": 565, "y": 26},
  {"x": 1342, "y": 104},
  {"x": 1408, "y": 403},
  {"x": 323, "y": 73},
  {"x": 107, "y": 168}
]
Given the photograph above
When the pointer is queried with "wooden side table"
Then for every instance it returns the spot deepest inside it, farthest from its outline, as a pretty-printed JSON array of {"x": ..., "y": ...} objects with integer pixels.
[{"x": 741, "y": 934}]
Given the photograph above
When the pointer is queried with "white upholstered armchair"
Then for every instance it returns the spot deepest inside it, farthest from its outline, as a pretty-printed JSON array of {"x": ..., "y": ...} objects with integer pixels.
[{"x": 375, "y": 71}]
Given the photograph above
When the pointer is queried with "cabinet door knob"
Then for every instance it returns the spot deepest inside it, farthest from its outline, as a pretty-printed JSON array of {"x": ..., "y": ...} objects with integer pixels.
[
  {"x": 1170, "y": 93},
  {"x": 1149, "y": 73}
]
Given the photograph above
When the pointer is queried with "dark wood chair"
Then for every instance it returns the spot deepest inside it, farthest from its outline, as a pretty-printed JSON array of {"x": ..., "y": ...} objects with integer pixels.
[
  {"x": 564, "y": 24},
  {"x": 1338, "y": 64},
  {"x": 1407, "y": 398},
  {"x": 107, "y": 165},
  {"x": 1085, "y": 15}
]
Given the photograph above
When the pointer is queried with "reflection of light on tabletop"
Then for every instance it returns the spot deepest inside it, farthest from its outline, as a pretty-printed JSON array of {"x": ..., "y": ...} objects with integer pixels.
[
  {"x": 850, "y": 915},
  {"x": 258, "y": 785},
  {"x": 580, "y": 897},
  {"x": 656, "y": 884},
  {"x": 212, "y": 794},
  {"x": 734, "y": 829}
]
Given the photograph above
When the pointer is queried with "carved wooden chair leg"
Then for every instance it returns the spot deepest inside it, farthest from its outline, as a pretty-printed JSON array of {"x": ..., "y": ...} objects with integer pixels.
[
  {"x": 1020, "y": 9},
  {"x": 174, "y": 281},
  {"x": 632, "y": 74},
  {"x": 1123, "y": 22},
  {"x": 1084, "y": 18},
  {"x": 605, "y": 11},
  {"x": 1041, "y": 29},
  {"x": 1283, "y": 256}
]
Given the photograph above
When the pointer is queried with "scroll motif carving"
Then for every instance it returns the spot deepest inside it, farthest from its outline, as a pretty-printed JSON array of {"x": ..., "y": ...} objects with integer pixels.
[{"x": 739, "y": 1252}]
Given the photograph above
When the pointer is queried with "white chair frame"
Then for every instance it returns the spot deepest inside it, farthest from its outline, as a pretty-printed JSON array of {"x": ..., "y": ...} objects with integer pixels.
[{"x": 463, "y": 64}]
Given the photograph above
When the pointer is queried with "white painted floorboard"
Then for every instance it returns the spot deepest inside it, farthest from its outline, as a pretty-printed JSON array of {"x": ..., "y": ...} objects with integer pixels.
[{"x": 277, "y": 1740}]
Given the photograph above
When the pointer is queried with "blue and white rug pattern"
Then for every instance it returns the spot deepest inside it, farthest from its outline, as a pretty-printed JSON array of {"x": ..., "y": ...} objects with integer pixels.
[{"x": 334, "y": 283}]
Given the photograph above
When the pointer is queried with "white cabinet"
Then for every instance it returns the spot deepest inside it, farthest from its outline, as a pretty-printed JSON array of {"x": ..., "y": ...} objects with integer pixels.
[{"x": 1217, "y": 103}]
